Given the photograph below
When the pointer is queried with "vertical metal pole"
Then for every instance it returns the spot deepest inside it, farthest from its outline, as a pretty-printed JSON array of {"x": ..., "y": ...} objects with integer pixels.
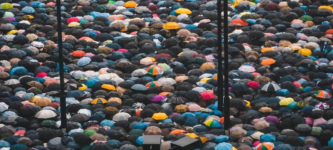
[
  {"x": 61, "y": 71},
  {"x": 219, "y": 56},
  {"x": 226, "y": 70}
]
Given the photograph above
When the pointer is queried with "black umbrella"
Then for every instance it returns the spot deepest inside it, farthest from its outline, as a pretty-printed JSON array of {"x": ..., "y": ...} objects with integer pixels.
[
  {"x": 45, "y": 134},
  {"x": 239, "y": 87},
  {"x": 79, "y": 118},
  {"x": 82, "y": 139},
  {"x": 175, "y": 100}
]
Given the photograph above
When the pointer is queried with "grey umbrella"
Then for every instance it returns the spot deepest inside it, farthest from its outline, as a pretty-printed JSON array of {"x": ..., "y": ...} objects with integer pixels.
[
  {"x": 286, "y": 36},
  {"x": 303, "y": 127},
  {"x": 139, "y": 72},
  {"x": 128, "y": 147},
  {"x": 55, "y": 143},
  {"x": 141, "y": 9},
  {"x": 3, "y": 106}
]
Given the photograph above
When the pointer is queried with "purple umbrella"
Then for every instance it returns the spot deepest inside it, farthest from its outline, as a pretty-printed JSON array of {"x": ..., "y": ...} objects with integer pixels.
[{"x": 158, "y": 98}]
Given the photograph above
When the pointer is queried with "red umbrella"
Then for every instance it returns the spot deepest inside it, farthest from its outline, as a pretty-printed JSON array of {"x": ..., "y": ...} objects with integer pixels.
[
  {"x": 167, "y": 56},
  {"x": 207, "y": 95}
]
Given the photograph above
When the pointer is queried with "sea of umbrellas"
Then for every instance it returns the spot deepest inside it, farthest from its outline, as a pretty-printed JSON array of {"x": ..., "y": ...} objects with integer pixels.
[{"x": 139, "y": 68}]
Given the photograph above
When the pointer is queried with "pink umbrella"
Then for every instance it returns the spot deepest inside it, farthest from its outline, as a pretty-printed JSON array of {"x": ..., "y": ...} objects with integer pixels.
[
  {"x": 329, "y": 36},
  {"x": 303, "y": 37},
  {"x": 319, "y": 121},
  {"x": 246, "y": 68},
  {"x": 89, "y": 55},
  {"x": 194, "y": 107},
  {"x": 210, "y": 57},
  {"x": 122, "y": 50}
]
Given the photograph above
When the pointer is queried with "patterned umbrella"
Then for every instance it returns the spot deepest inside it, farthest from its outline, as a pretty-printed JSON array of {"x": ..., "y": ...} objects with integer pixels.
[
  {"x": 270, "y": 87},
  {"x": 322, "y": 106},
  {"x": 322, "y": 94},
  {"x": 213, "y": 123},
  {"x": 265, "y": 146},
  {"x": 154, "y": 70},
  {"x": 152, "y": 84}
]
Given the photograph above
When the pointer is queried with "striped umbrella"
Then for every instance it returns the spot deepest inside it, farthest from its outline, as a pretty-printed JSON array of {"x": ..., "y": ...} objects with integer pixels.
[
  {"x": 322, "y": 94},
  {"x": 154, "y": 70},
  {"x": 265, "y": 146},
  {"x": 270, "y": 87},
  {"x": 152, "y": 84}
]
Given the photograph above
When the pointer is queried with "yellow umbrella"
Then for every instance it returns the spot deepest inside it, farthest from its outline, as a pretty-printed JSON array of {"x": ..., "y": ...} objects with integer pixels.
[
  {"x": 183, "y": 11},
  {"x": 171, "y": 25},
  {"x": 159, "y": 116},
  {"x": 192, "y": 135},
  {"x": 286, "y": 101},
  {"x": 99, "y": 101},
  {"x": 205, "y": 80},
  {"x": 73, "y": 24},
  {"x": 34, "y": 99},
  {"x": 108, "y": 87},
  {"x": 83, "y": 87},
  {"x": 326, "y": 7},
  {"x": 305, "y": 52},
  {"x": 12, "y": 32}
]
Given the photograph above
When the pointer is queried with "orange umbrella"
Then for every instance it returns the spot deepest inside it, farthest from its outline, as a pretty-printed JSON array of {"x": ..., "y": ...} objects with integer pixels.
[
  {"x": 266, "y": 49},
  {"x": 130, "y": 4},
  {"x": 171, "y": 25},
  {"x": 330, "y": 31},
  {"x": 207, "y": 65},
  {"x": 238, "y": 22},
  {"x": 78, "y": 53},
  {"x": 268, "y": 61},
  {"x": 178, "y": 131},
  {"x": 88, "y": 39}
]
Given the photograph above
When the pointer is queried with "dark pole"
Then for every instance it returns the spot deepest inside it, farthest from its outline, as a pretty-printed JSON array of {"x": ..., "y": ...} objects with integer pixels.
[
  {"x": 219, "y": 56},
  {"x": 225, "y": 101},
  {"x": 61, "y": 71},
  {"x": 226, "y": 70}
]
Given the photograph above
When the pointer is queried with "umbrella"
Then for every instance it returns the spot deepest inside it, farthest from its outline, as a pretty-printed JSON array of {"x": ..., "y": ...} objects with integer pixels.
[
  {"x": 270, "y": 87},
  {"x": 207, "y": 95},
  {"x": 183, "y": 11},
  {"x": 121, "y": 116},
  {"x": 159, "y": 116},
  {"x": 265, "y": 146},
  {"x": 28, "y": 10},
  {"x": 45, "y": 114},
  {"x": 154, "y": 70},
  {"x": 322, "y": 94},
  {"x": 223, "y": 146},
  {"x": 171, "y": 25},
  {"x": 3, "y": 106},
  {"x": 213, "y": 123}
]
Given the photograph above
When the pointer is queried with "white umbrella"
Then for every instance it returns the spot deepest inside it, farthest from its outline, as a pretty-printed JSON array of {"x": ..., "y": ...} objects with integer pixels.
[
  {"x": 166, "y": 81},
  {"x": 3, "y": 106},
  {"x": 12, "y": 82},
  {"x": 85, "y": 111},
  {"x": 247, "y": 68},
  {"x": 199, "y": 89},
  {"x": 118, "y": 80},
  {"x": 121, "y": 116},
  {"x": 139, "y": 72},
  {"x": 45, "y": 114}
]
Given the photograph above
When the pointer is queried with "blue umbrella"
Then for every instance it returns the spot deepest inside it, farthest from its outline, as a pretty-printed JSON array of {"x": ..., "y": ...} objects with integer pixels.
[
  {"x": 18, "y": 147},
  {"x": 83, "y": 61},
  {"x": 91, "y": 81},
  {"x": 7, "y": 114},
  {"x": 107, "y": 123},
  {"x": 221, "y": 138},
  {"x": 4, "y": 144},
  {"x": 28, "y": 10},
  {"x": 223, "y": 146},
  {"x": 113, "y": 143},
  {"x": 139, "y": 140},
  {"x": 75, "y": 93},
  {"x": 188, "y": 114},
  {"x": 140, "y": 125},
  {"x": 35, "y": 4},
  {"x": 139, "y": 87},
  {"x": 18, "y": 71}
]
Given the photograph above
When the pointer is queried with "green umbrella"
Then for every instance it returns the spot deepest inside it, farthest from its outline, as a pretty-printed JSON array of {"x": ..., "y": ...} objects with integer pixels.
[
  {"x": 48, "y": 123},
  {"x": 165, "y": 66},
  {"x": 111, "y": 2},
  {"x": 199, "y": 60},
  {"x": 306, "y": 18},
  {"x": 89, "y": 132}
]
